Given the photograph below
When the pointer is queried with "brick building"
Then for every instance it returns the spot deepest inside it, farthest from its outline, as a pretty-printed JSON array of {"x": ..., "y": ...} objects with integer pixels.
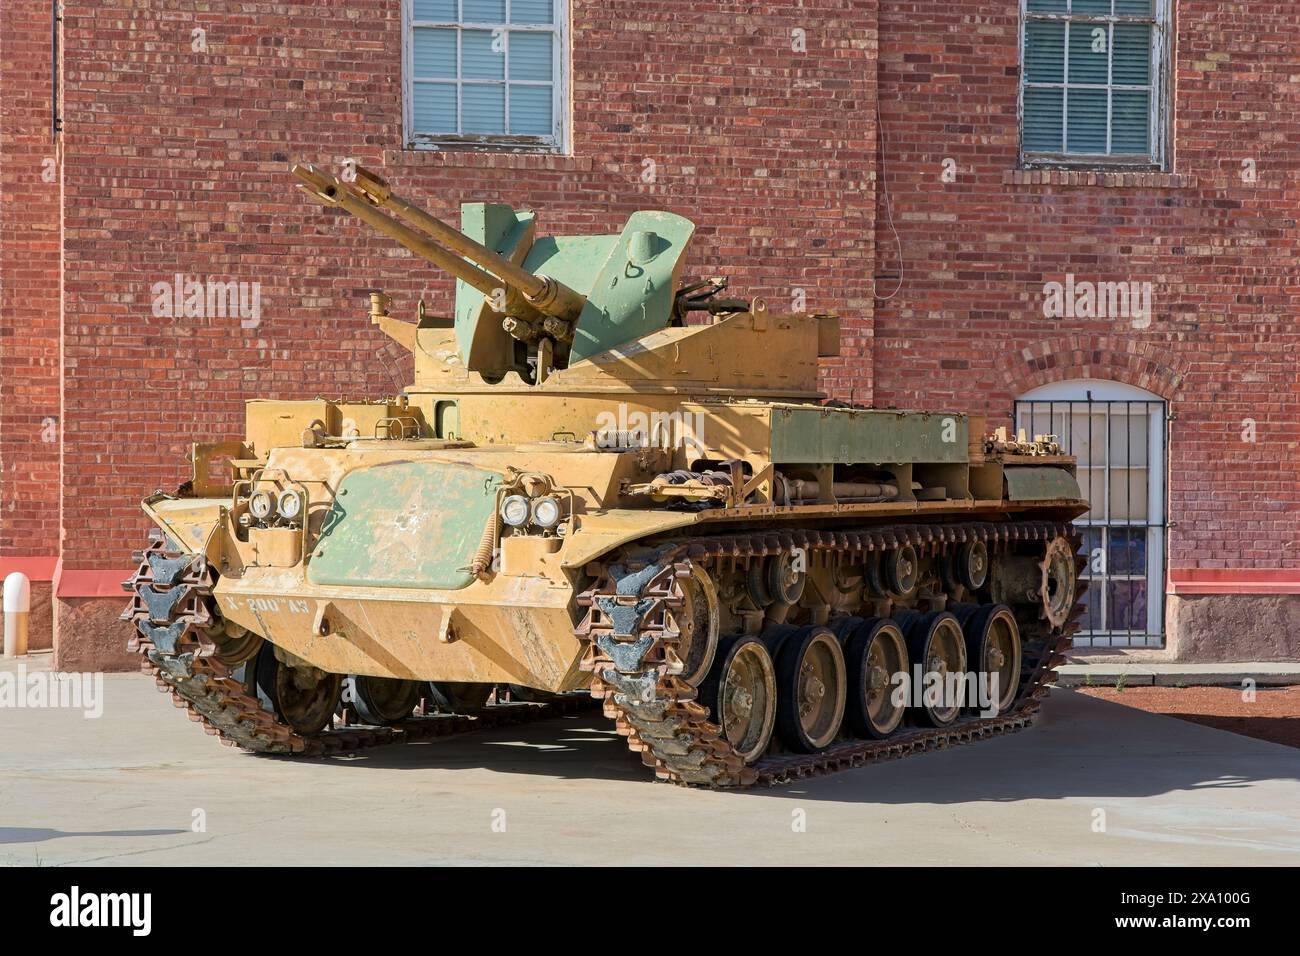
[{"x": 1079, "y": 214}]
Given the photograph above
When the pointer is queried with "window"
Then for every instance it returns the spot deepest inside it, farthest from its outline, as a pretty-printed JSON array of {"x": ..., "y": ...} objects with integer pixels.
[
  {"x": 1117, "y": 432},
  {"x": 486, "y": 72},
  {"x": 1092, "y": 82}
]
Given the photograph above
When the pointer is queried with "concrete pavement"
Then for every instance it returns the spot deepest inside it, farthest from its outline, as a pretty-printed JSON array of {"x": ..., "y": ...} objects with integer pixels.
[{"x": 128, "y": 788}]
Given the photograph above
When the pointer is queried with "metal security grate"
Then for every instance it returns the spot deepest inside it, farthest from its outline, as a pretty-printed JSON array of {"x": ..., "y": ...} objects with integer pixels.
[{"x": 1122, "y": 448}]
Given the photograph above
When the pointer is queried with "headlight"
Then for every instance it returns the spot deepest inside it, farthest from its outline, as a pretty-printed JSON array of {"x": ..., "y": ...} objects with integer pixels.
[
  {"x": 260, "y": 504},
  {"x": 289, "y": 504},
  {"x": 546, "y": 512},
  {"x": 514, "y": 510}
]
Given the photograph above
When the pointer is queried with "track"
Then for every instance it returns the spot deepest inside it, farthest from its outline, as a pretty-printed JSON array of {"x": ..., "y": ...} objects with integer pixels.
[
  {"x": 631, "y": 651},
  {"x": 627, "y": 627},
  {"x": 175, "y": 617}
]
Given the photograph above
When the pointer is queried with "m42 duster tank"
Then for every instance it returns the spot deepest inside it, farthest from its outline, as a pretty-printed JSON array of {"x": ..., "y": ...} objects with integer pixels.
[{"x": 606, "y": 480}]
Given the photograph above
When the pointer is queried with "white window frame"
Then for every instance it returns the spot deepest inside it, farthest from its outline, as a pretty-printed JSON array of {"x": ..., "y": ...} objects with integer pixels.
[
  {"x": 1160, "y": 119},
  {"x": 1078, "y": 391},
  {"x": 557, "y": 141}
]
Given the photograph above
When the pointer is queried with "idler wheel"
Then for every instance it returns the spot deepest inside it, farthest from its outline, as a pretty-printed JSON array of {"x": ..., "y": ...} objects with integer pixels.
[
  {"x": 740, "y": 691},
  {"x": 811, "y": 689},
  {"x": 383, "y": 700},
  {"x": 873, "y": 653},
  {"x": 698, "y": 621},
  {"x": 936, "y": 642},
  {"x": 234, "y": 644}
]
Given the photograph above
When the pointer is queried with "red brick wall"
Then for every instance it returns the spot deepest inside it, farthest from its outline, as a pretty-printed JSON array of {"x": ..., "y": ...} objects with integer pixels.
[
  {"x": 177, "y": 162},
  {"x": 967, "y": 326},
  {"x": 29, "y": 287}
]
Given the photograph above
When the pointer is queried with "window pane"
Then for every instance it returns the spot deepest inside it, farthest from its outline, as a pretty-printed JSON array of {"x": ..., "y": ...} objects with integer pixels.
[
  {"x": 1091, "y": 599},
  {"x": 1088, "y": 52},
  {"x": 441, "y": 11},
  {"x": 1091, "y": 550},
  {"x": 483, "y": 108},
  {"x": 1132, "y": 54},
  {"x": 1126, "y": 605},
  {"x": 1044, "y": 51},
  {"x": 1044, "y": 112},
  {"x": 1128, "y": 494},
  {"x": 530, "y": 56},
  {"x": 479, "y": 61},
  {"x": 434, "y": 54},
  {"x": 1134, "y": 8},
  {"x": 483, "y": 11},
  {"x": 531, "y": 11},
  {"x": 530, "y": 110},
  {"x": 1128, "y": 437},
  {"x": 1130, "y": 130},
  {"x": 1080, "y": 433},
  {"x": 1086, "y": 131},
  {"x": 1046, "y": 6},
  {"x": 1091, "y": 7},
  {"x": 434, "y": 107},
  {"x": 1128, "y": 551},
  {"x": 1092, "y": 482}
]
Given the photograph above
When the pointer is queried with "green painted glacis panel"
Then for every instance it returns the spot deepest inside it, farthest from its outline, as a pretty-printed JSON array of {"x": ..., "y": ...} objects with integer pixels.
[
  {"x": 844, "y": 436},
  {"x": 405, "y": 524},
  {"x": 1035, "y": 483}
]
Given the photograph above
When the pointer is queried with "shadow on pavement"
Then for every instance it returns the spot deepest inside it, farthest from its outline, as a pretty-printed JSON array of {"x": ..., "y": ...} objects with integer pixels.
[
  {"x": 13, "y": 835},
  {"x": 1080, "y": 748}
]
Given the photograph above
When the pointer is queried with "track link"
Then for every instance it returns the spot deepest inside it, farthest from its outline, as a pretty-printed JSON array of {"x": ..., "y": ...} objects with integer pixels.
[
  {"x": 175, "y": 616},
  {"x": 631, "y": 651}
]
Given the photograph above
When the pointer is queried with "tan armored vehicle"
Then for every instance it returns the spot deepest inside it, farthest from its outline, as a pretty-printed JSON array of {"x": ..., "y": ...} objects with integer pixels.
[{"x": 603, "y": 479}]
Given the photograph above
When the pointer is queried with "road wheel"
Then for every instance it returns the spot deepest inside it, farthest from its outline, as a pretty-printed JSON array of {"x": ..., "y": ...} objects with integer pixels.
[
  {"x": 383, "y": 700},
  {"x": 305, "y": 698},
  {"x": 741, "y": 693},
  {"x": 811, "y": 684},
  {"x": 874, "y": 652},
  {"x": 937, "y": 643},
  {"x": 460, "y": 696},
  {"x": 993, "y": 649}
]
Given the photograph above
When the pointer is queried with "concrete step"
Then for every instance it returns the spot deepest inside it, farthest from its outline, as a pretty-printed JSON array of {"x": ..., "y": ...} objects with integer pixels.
[{"x": 1264, "y": 674}]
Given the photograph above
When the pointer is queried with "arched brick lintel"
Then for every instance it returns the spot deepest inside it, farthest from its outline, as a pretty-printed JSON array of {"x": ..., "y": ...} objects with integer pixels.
[{"x": 1142, "y": 364}]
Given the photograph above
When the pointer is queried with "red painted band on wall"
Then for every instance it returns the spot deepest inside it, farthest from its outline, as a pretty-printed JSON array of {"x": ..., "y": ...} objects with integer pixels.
[
  {"x": 1234, "y": 580},
  {"x": 37, "y": 568},
  {"x": 91, "y": 584}
]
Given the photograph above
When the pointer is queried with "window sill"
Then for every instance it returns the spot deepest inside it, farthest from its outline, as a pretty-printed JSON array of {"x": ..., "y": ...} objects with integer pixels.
[
  {"x": 503, "y": 157},
  {"x": 1112, "y": 179}
]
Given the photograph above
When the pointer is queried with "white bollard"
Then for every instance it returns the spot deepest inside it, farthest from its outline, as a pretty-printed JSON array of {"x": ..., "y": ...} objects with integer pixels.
[{"x": 17, "y": 607}]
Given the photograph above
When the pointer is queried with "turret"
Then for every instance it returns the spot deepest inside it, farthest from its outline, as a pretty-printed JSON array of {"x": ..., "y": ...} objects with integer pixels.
[{"x": 525, "y": 304}]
